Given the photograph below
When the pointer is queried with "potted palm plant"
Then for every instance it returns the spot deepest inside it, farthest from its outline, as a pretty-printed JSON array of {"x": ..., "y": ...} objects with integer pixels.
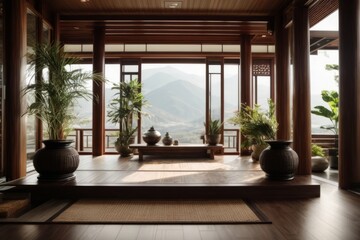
[
  {"x": 54, "y": 92},
  {"x": 214, "y": 129},
  {"x": 256, "y": 126},
  {"x": 124, "y": 108}
]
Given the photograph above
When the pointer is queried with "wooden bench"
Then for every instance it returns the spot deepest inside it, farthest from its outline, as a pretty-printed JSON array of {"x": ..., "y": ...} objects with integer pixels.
[{"x": 193, "y": 150}]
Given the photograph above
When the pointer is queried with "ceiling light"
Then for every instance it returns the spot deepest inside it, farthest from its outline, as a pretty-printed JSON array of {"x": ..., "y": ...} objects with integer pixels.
[
  {"x": 84, "y": 1},
  {"x": 172, "y": 4}
]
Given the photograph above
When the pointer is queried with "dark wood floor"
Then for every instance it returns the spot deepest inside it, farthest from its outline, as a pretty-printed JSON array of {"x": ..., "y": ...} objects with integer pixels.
[{"x": 334, "y": 215}]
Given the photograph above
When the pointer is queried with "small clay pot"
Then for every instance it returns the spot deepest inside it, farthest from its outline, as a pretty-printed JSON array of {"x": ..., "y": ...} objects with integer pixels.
[{"x": 167, "y": 140}]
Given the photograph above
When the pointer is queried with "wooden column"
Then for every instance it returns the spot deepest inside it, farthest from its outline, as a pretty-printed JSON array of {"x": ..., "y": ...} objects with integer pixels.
[
  {"x": 301, "y": 98},
  {"x": 282, "y": 96},
  {"x": 246, "y": 76},
  {"x": 14, "y": 80},
  {"x": 98, "y": 140},
  {"x": 246, "y": 70},
  {"x": 349, "y": 92}
]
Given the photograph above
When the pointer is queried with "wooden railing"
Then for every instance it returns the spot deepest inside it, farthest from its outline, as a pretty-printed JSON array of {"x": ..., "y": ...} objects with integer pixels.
[
  {"x": 231, "y": 140},
  {"x": 324, "y": 140},
  {"x": 83, "y": 139}
]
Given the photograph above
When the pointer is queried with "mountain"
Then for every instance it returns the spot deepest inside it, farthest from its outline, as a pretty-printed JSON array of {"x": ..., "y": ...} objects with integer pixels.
[
  {"x": 178, "y": 100},
  {"x": 157, "y": 77}
]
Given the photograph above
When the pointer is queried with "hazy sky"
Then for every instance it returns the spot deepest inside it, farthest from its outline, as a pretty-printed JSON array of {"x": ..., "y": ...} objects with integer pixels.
[{"x": 322, "y": 79}]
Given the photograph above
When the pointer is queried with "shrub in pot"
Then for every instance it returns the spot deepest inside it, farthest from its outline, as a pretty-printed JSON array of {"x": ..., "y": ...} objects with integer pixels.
[
  {"x": 124, "y": 107},
  {"x": 213, "y": 133},
  {"x": 256, "y": 126}
]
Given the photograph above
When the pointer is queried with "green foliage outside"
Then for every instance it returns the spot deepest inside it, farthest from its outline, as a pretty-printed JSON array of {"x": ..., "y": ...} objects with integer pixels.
[
  {"x": 332, "y": 100},
  {"x": 316, "y": 150}
]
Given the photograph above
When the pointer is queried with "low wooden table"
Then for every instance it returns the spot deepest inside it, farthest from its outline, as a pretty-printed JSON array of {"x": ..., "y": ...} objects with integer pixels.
[{"x": 193, "y": 150}]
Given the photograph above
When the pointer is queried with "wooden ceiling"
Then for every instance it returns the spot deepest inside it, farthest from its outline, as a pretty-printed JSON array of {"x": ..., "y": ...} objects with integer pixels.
[
  {"x": 188, "y": 7},
  {"x": 150, "y": 21}
]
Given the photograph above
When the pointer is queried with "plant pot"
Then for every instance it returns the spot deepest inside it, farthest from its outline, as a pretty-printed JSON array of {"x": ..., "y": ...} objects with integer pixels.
[
  {"x": 152, "y": 137},
  {"x": 57, "y": 161},
  {"x": 257, "y": 150},
  {"x": 124, "y": 149},
  {"x": 213, "y": 139},
  {"x": 319, "y": 164},
  {"x": 334, "y": 158},
  {"x": 279, "y": 161}
]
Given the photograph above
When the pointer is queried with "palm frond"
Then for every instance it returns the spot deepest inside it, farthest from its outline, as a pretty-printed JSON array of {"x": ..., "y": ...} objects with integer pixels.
[{"x": 54, "y": 94}]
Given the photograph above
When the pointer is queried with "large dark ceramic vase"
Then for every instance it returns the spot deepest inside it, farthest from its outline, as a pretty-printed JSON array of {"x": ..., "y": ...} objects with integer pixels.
[
  {"x": 279, "y": 161},
  {"x": 152, "y": 137},
  {"x": 57, "y": 161}
]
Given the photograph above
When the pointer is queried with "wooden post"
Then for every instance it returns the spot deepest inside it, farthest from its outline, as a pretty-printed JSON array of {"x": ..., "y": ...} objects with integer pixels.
[
  {"x": 14, "y": 75},
  {"x": 282, "y": 97},
  {"x": 246, "y": 70},
  {"x": 349, "y": 89},
  {"x": 246, "y": 76},
  {"x": 301, "y": 98},
  {"x": 99, "y": 91}
]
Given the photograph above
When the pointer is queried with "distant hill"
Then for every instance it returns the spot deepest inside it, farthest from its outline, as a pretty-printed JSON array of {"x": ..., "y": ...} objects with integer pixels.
[
  {"x": 153, "y": 78},
  {"x": 177, "y": 101}
]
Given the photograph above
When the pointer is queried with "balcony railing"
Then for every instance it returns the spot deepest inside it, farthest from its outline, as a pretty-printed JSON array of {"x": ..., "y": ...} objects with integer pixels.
[{"x": 83, "y": 140}]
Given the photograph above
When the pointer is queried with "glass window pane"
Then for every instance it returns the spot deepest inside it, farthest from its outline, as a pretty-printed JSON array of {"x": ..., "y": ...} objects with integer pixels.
[
  {"x": 322, "y": 79},
  {"x": 214, "y": 68},
  {"x": 212, "y": 48},
  {"x": 231, "y": 92},
  {"x": 263, "y": 91},
  {"x": 130, "y": 68},
  {"x": 176, "y": 100},
  {"x": 135, "y": 48},
  {"x": 31, "y": 42},
  {"x": 173, "y": 48},
  {"x": 215, "y": 95},
  {"x": 46, "y": 34},
  {"x": 83, "y": 112},
  {"x": 112, "y": 75}
]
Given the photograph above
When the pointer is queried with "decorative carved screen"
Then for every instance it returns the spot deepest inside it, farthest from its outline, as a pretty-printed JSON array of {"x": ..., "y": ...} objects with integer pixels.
[{"x": 261, "y": 68}]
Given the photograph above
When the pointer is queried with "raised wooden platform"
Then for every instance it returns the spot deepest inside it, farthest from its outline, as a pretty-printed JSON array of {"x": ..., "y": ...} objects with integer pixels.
[
  {"x": 192, "y": 150},
  {"x": 111, "y": 176}
]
